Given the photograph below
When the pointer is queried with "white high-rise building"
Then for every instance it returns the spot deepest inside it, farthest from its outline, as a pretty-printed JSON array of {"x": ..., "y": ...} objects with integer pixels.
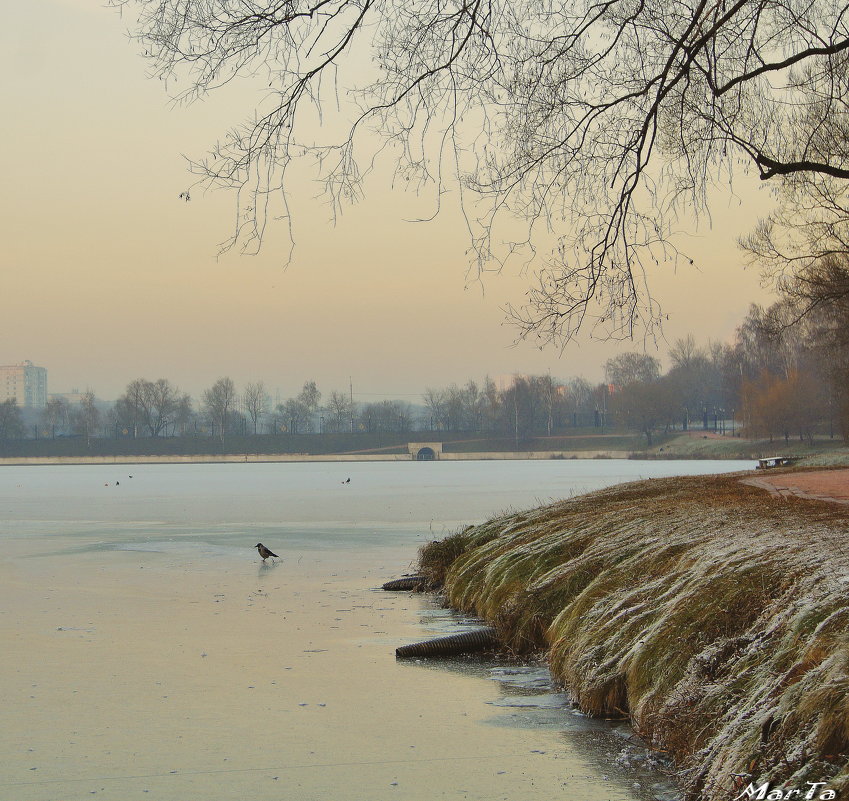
[{"x": 24, "y": 382}]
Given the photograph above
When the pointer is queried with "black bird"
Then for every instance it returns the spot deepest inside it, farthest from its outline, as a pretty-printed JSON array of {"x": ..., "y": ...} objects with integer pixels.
[{"x": 264, "y": 552}]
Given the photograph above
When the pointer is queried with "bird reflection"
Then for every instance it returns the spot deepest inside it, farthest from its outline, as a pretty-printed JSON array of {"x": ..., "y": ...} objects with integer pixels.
[{"x": 266, "y": 567}]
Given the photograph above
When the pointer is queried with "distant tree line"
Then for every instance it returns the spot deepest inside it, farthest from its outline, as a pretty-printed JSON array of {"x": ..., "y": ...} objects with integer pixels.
[{"x": 786, "y": 374}]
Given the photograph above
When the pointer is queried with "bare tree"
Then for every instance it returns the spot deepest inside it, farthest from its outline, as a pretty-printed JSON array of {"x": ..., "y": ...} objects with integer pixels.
[
  {"x": 131, "y": 409},
  {"x": 340, "y": 411},
  {"x": 219, "y": 401},
  {"x": 435, "y": 401},
  {"x": 86, "y": 416},
  {"x": 256, "y": 400},
  {"x": 164, "y": 401},
  {"x": 299, "y": 412},
  {"x": 596, "y": 121},
  {"x": 152, "y": 404},
  {"x": 799, "y": 346},
  {"x": 11, "y": 422},
  {"x": 631, "y": 368},
  {"x": 386, "y": 416},
  {"x": 183, "y": 414},
  {"x": 645, "y": 406},
  {"x": 684, "y": 353},
  {"x": 55, "y": 413},
  {"x": 579, "y": 395},
  {"x": 310, "y": 397}
]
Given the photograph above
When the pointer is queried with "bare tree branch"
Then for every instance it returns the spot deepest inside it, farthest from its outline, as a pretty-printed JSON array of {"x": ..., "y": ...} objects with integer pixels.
[{"x": 606, "y": 121}]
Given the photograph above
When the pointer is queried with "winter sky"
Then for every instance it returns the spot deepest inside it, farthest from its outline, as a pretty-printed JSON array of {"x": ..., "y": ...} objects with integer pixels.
[{"x": 108, "y": 276}]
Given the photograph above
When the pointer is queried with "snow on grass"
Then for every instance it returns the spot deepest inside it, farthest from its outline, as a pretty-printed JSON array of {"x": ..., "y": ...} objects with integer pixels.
[{"x": 712, "y": 614}]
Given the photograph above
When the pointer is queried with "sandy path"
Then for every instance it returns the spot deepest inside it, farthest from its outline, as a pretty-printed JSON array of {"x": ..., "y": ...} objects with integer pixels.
[{"x": 822, "y": 485}]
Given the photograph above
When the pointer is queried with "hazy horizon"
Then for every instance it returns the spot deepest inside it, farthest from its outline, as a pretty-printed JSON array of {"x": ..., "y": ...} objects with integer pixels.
[{"x": 109, "y": 276}]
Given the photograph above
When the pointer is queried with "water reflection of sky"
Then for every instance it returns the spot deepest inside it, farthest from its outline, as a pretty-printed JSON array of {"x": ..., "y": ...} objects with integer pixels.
[
  {"x": 527, "y": 698},
  {"x": 414, "y": 495},
  {"x": 206, "y": 517}
]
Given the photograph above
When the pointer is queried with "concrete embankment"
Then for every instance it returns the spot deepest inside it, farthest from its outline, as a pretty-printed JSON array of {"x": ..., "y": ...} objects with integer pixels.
[
  {"x": 711, "y": 613},
  {"x": 229, "y": 458}
]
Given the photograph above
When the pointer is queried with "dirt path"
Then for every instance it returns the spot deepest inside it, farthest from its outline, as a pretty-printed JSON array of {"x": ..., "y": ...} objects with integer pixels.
[{"x": 821, "y": 485}]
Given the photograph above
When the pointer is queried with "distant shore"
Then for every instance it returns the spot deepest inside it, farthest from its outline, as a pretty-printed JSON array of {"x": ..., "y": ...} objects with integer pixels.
[
  {"x": 230, "y": 458},
  {"x": 355, "y": 448}
]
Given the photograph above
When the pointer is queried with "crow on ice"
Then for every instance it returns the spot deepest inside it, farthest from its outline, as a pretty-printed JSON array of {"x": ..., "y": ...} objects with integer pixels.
[{"x": 264, "y": 552}]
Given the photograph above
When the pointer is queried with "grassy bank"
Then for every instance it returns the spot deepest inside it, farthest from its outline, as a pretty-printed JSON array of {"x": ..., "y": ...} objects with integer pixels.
[
  {"x": 698, "y": 445},
  {"x": 713, "y": 615}
]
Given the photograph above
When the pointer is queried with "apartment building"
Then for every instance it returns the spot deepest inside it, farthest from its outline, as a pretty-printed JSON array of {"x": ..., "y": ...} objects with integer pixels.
[{"x": 24, "y": 382}]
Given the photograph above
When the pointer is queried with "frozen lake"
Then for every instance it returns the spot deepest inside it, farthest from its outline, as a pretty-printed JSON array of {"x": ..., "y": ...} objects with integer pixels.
[
  {"x": 150, "y": 653},
  {"x": 385, "y": 503}
]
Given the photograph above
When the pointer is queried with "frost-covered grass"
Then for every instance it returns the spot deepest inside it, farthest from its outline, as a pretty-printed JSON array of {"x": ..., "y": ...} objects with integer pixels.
[
  {"x": 695, "y": 445},
  {"x": 837, "y": 457},
  {"x": 712, "y": 614}
]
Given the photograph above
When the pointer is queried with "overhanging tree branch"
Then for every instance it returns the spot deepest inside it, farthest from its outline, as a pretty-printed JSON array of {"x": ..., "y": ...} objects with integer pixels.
[{"x": 604, "y": 119}]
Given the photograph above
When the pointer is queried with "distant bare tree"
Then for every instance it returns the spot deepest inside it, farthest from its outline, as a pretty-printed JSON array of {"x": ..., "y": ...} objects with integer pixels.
[
  {"x": 684, "y": 352},
  {"x": 522, "y": 409},
  {"x": 630, "y": 368},
  {"x": 151, "y": 404},
  {"x": 183, "y": 413},
  {"x": 219, "y": 401},
  {"x": 255, "y": 399},
  {"x": 295, "y": 416},
  {"x": 131, "y": 408},
  {"x": 299, "y": 412},
  {"x": 386, "y": 415},
  {"x": 55, "y": 413},
  {"x": 799, "y": 347},
  {"x": 645, "y": 406},
  {"x": 822, "y": 290},
  {"x": 11, "y": 423},
  {"x": 340, "y": 411},
  {"x": 455, "y": 405},
  {"x": 86, "y": 416},
  {"x": 435, "y": 401},
  {"x": 310, "y": 397},
  {"x": 490, "y": 404},
  {"x": 164, "y": 400},
  {"x": 579, "y": 394}
]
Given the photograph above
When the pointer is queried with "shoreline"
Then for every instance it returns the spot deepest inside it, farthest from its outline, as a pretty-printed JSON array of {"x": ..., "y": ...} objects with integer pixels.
[
  {"x": 254, "y": 458},
  {"x": 709, "y": 612},
  {"x": 688, "y": 447}
]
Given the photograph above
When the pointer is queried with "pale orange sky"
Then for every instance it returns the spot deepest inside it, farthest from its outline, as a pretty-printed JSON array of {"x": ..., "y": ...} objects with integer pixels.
[{"x": 107, "y": 276}]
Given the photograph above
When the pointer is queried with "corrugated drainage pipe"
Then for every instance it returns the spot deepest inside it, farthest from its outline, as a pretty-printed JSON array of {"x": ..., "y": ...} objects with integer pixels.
[
  {"x": 406, "y": 583},
  {"x": 468, "y": 642}
]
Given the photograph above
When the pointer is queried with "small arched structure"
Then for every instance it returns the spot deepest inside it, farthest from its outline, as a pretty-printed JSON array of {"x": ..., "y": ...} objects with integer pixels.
[{"x": 425, "y": 451}]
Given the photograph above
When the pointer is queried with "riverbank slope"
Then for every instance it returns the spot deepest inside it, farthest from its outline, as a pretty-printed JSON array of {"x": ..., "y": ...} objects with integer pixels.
[{"x": 711, "y": 613}]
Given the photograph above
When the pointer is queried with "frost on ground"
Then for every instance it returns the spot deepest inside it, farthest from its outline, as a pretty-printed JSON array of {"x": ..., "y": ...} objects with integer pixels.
[{"x": 714, "y": 615}]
